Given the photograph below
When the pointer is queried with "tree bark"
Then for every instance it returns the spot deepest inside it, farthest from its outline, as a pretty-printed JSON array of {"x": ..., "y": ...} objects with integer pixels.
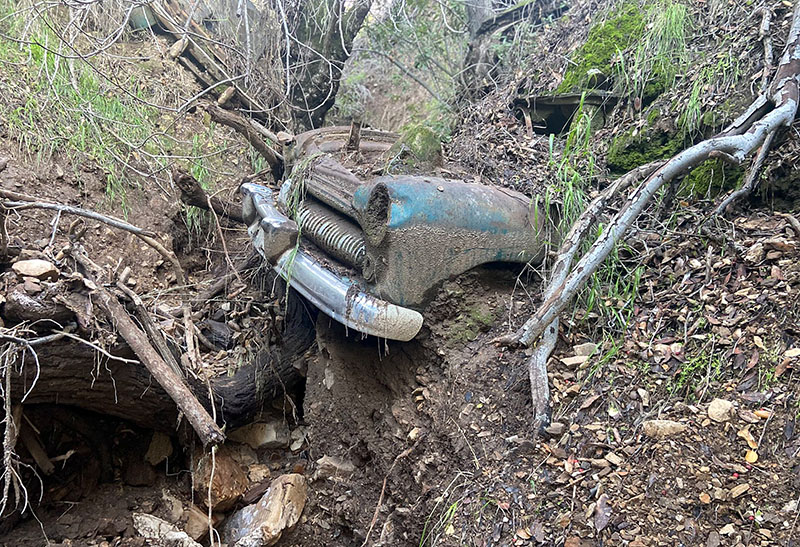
[
  {"x": 193, "y": 194},
  {"x": 72, "y": 373}
]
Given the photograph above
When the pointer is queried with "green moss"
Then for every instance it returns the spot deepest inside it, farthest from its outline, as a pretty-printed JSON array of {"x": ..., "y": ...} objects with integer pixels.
[
  {"x": 623, "y": 27},
  {"x": 711, "y": 178},
  {"x": 629, "y": 151},
  {"x": 472, "y": 322}
]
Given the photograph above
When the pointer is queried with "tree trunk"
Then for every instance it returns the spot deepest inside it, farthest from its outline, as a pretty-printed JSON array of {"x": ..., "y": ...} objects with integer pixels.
[
  {"x": 328, "y": 44},
  {"x": 72, "y": 373}
]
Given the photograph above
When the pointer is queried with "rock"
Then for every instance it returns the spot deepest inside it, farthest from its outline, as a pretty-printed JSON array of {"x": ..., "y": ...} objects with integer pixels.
[
  {"x": 586, "y": 349},
  {"x": 229, "y": 480},
  {"x": 137, "y": 472},
  {"x": 243, "y": 454},
  {"x": 263, "y": 523},
  {"x": 556, "y": 429},
  {"x": 196, "y": 522},
  {"x": 31, "y": 286},
  {"x": 172, "y": 506},
  {"x": 727, "y": 530},
  {"x": 166, "y": 534},
  {"x": 274, "y": 434},
  {"x": 614, "y": 459},
  {"x": 330, "y": 467},
  {"x": 160, "y": 448},
  {"x": 661, "y": 429},
  {"x": 258, "y": 472},
  {"x": 738, "y": 490},
  {"x": 720, "y": 410},
  {"x": 35, "y": 267}
]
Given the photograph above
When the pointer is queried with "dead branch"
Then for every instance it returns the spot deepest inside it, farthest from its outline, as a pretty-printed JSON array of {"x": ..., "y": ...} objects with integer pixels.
[
  {"x": 766, "y": 39},
  {"x": 193, "y": 194},
  {"x": 198, "y": 417},
  {"x": 246, "y": 129},
  {"x": 155, "y": 335},
  {"x": 537, "y": 363},
  {"x": 253, "y": 260},
  {"x": 750, "y": 181}
]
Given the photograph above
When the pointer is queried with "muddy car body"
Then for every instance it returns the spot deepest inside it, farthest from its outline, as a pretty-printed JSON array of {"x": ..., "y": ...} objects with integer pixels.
[{"x": 370, "y": 253}]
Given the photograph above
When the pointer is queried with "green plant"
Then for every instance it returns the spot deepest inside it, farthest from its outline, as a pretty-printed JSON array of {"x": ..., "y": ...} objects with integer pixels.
[
  {"x": 66, "y": 107},
  {"x": 704, "y": 366},
  {"x": 661, "y": 53}
]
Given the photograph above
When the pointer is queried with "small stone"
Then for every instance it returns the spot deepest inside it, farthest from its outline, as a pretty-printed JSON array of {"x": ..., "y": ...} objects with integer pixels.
[
  {"x": 31, "y": 286},
  {"x": 264, "y": 522},
  {"x": 556, "y": 429},
  {"x": 258, "y": 472},
  {"x": 154, "y": 528},
  {"x": 332, "y": 467},
  {"x": 413, "y": 435},
  {"x": 739, "y": 489},
  {"x": 160, "y": 448},
  {"x": 196, "y": 522},
  {"x": 586, "y": 349},
  {"x": 173, "y": 507},
  {"x": 727, "y": 530},
  {"x": 274, "y": 434},
  {"x": 35, "y": 267},
  {"x": 705, "y": 498},
  {"x": 661, "y": 429},
  {"x": 615, "y": 459},
  {"x": 720, "y": 410}
]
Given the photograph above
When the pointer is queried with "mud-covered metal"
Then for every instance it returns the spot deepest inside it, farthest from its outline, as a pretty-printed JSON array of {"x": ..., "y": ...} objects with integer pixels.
[
  {"x": 343, "y": 300},
  {"x": 275, "y": 237},
  {"x": 423, "y": 230}
]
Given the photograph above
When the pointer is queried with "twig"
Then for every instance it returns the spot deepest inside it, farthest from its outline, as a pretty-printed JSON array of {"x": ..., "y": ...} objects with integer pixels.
[
  {"x": 751, "y": 180},
  {"x": 400, "y": 456},
  {"x": 222, "y": 239},
  {"x": 23, "y": 201}
]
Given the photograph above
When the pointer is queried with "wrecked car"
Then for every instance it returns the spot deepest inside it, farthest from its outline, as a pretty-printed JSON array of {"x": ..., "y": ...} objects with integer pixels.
[{"x": 370, "y": 253}]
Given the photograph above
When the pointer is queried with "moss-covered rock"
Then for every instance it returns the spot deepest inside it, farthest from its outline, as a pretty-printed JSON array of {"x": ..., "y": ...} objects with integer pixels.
[
  {"x": 631, "y": 149},
  {"x": 623, "y": 27},
  {"x": 711, "y": 178}
]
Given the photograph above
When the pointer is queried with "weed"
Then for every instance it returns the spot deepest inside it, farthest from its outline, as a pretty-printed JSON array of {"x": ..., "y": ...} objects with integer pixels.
[
  {"x": 703, "y": 366},
  {"x": 661, "y": 53}
]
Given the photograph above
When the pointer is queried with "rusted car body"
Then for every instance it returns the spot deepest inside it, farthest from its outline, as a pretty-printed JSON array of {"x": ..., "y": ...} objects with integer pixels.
[{"x": 370, "y": 253}]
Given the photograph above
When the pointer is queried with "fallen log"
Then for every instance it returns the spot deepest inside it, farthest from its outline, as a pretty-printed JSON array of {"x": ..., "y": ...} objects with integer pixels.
[
  {"x": 173, "y": 384},
  {"x": 68, "y": 372}
]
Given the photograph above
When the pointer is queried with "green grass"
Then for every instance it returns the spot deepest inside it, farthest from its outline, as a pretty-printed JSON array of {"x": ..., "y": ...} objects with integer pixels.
[
  {"x": 67, "y": 108},
  {"x": 661, "y": 53},
  {"x": 703, "y": 368}
]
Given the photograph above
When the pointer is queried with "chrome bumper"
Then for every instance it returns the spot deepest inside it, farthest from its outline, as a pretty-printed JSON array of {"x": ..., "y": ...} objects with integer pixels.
[{"x": 338, "y": 297}]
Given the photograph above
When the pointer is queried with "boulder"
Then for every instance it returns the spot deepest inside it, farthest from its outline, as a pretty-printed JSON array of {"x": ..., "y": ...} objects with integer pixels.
[{"x": 263, "y": 523}]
